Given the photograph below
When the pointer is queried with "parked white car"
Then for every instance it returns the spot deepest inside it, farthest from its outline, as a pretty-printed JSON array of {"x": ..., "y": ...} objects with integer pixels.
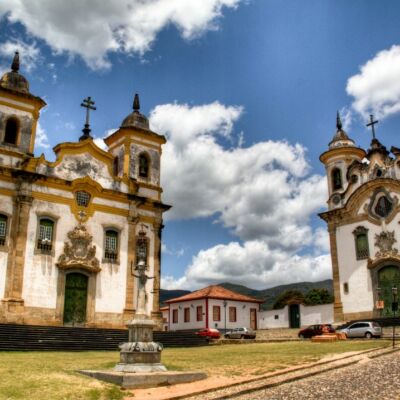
[{"x": 362, "y": 329}]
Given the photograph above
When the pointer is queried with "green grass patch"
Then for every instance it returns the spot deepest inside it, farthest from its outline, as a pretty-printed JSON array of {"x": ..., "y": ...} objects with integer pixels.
[{"x": 52, "y": 375}]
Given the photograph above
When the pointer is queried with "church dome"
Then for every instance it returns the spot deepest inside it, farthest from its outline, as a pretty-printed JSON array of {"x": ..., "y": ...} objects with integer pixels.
[
  {"x": 13, "y": 80},
  {"x": 340, "y": 138},
  {"x": 135, "y": 119}
]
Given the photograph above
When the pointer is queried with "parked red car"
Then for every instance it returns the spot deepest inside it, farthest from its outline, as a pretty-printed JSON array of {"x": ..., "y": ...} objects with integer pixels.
[
  {"x": 314, "y": 330},
  {"x": 209, "y": 333}
]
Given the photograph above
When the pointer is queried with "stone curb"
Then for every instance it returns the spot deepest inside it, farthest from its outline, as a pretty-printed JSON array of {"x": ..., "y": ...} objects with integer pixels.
[{"x": 382, "y": 352}]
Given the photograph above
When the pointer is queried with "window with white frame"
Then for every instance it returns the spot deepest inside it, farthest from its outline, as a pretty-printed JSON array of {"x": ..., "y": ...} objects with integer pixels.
[
  {"x": 111, "y": 245},
  {"x": 45, "y": 238}
]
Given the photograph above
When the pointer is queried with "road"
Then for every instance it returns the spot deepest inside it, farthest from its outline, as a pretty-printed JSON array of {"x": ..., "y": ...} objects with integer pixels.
[{"x": 370, "y": 379}]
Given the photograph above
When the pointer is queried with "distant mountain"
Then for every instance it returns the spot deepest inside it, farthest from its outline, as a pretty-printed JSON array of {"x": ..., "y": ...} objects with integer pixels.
[
  {"x": 171, "y": 294},
  {"x": 268, "y": 295}
]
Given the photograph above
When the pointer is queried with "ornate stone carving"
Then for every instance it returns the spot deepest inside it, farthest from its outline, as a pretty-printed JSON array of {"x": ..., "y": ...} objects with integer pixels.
[
  {"x": 385, "y": 241},
  {"x": 79, "y": 252}
]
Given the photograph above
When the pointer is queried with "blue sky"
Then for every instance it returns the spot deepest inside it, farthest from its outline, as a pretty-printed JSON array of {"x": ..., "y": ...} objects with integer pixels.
[{"x": 245, "y": 91}]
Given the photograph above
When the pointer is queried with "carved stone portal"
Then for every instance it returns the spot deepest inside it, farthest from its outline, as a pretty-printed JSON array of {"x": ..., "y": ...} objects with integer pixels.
[
  {"x": 79, "y": 252},
  {"x": 385, "y": 241}
]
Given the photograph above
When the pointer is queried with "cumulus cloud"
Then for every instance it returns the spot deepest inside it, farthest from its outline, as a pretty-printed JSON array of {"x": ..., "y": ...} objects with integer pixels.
[
  {"x": 42, "y": 140},
  {"x": 376, "y": 88},
  {"x": 29, "y": 52},
  {"x": 252, "y": 264},
  {"x": 263, "y": 193},
  {"x": 92, "y": 29}
]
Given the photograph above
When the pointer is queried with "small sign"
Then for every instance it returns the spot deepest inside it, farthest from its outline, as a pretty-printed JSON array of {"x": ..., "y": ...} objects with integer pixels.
[{"x": 380, "y": 305}]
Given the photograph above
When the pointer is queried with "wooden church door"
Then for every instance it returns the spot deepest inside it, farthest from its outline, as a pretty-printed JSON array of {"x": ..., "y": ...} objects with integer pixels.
[{"x": 75, "y": 298}]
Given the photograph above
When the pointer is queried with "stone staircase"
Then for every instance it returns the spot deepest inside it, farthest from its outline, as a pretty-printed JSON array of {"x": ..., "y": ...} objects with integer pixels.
[{"x": 33, "y": 337}]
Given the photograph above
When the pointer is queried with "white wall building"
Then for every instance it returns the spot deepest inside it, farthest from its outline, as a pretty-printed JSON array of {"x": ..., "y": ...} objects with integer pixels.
[
  {"x": 72, "y": 230},
  {"x": 308, "y": 315},
  {"x": 212, "y": 307},
  {"x": 363, "y": 223}
]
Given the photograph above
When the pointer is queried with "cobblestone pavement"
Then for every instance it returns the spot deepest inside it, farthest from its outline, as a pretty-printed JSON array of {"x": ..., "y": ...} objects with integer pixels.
[{"x": 371, "y": 379}]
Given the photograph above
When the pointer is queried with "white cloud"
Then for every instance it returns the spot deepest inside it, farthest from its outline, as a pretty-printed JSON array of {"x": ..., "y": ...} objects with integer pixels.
[
  {"x": 172, "y": 252},
  {"x": 99, "y": 142},
  {"x": 29, "y": 53},
  {"x": 42, "y": 141},
  {"x": 376, "y": 88},
  {"x": 252, "y": 264},
  {"x": 263, "y": 193},
  {"x": 92, "y": 29}
]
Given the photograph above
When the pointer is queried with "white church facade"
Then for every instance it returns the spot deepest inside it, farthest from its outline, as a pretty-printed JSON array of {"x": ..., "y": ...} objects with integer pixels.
[
  {"x": 363, "y": 224},
  {"x": 73, "y": 230}
]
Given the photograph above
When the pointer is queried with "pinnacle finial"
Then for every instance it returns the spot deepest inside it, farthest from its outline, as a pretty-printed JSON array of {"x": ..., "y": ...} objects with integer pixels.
[
  {"x": 338, "y": 122},
  {"x": 15, "y": 62},
  {"x": 136, "y": 103}
]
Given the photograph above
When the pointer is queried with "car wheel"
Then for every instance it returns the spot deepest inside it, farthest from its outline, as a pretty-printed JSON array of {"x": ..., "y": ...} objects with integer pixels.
[
  {"x": 226, "y": 336},
  {"x": 301, "y": 336},
  {"x": 368, "y": 335},
  {"x": 241, "y": 336}
]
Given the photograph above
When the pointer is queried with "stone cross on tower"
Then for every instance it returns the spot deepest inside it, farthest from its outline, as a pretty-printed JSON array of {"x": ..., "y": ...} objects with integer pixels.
[
  {"x": 88, "y": 103},
  {"x": 372, "y": 125}
]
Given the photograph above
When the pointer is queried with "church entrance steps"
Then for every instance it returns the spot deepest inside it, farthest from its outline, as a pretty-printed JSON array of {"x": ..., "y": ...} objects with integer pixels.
[
  {"x": 34, "y": 337},
  {"x": 211, "y": 390}
]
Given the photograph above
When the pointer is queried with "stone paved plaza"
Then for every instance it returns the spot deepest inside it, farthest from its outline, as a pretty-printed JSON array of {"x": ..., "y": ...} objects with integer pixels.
[{"x": 373, "y": 379}]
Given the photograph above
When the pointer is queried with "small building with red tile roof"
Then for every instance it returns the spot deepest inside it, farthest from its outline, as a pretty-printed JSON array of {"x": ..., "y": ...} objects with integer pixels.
[{"x": 212, "y": 307}]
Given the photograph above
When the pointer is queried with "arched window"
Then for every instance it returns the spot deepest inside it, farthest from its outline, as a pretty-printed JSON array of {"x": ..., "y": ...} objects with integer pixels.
[
  {"x": 336, "y": 179},
  {"x": 46, "y": 233},
  {"x": 3, "y": 229},
  {"x": 383, "y": 207},
  {"x": 361, "y": 242},
  {"x": 11, "y": 133},
  {"x": 111, "y": 245},
  {"x": 143, "y": 165}
]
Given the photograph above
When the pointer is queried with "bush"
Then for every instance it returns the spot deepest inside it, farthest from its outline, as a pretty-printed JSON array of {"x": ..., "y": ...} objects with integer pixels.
[{"x": 288, "y": 296}]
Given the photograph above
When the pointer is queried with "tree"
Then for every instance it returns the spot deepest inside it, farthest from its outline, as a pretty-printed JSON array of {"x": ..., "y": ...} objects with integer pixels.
[
  {"x": 318, "y": 296},
  {"x": 292, "y": 296}
]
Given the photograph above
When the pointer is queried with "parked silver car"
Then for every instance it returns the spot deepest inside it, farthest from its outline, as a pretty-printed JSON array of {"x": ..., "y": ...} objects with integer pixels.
[
  {"x": 241, "y": 333},
  {"x": 361, "y": 329}
]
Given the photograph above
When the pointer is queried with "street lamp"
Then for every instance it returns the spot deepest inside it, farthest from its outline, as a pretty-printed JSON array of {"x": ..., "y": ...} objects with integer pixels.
[
  {"x": 395, "y": 306},
  {"x": 225, "y": 303}
]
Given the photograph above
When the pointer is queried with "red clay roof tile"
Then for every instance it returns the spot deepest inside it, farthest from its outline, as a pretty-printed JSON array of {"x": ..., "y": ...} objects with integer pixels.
[{"x": 215, "y": 292}]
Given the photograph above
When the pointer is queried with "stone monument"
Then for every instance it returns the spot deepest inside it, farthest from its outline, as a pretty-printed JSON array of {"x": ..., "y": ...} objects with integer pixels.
[
  {"x": 140, "y": 353},
  {"x": 140, "y": 358}
]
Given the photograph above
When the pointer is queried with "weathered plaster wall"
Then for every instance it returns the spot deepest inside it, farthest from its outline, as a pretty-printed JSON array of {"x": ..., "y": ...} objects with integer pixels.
[
  {"x": 78, "y": 166},
  {"x": 6, "y": 207}
]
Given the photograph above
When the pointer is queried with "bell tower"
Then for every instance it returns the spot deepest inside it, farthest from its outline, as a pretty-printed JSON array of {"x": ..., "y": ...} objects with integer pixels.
[
  {"x": 19, "y": 113},
  {"x": 137, "y": 152}
]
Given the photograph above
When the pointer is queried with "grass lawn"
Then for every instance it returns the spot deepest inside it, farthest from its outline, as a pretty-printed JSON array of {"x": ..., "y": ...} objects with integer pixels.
[{"x": 51, "y": 375}]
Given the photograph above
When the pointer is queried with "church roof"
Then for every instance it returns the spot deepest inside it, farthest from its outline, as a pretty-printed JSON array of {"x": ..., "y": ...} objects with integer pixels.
[
  {"x": 135, "y": 119},
  {"x": 16, "y": 84},
  {"x": 215, "y": 292},
  {"x": 340, "y": 138},
  {"x": 13, "y": 79}
]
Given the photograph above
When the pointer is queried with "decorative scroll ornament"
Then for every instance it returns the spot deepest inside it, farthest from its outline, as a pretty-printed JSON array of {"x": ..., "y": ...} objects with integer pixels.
[
  {"x": 385, "y": 241},
  {"x": 79, "y": 252}
]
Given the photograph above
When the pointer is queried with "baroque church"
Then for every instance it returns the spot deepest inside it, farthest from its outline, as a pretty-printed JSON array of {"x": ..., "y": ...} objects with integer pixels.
[
  {"x": 363, "y": 223},
  {"x": 73, "y": 231}
]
